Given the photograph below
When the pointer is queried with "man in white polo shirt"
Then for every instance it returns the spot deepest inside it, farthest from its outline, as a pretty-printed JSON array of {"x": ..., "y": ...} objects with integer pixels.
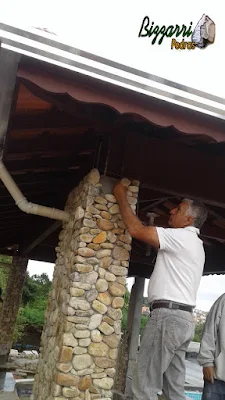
[{"x": 172, "y": 295}]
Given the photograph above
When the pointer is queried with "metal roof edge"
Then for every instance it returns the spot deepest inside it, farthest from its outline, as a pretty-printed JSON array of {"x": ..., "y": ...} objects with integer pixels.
[{"x": 65, "y": 56}]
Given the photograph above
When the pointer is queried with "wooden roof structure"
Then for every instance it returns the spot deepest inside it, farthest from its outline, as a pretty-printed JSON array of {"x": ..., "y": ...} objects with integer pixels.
[{"x": 62, "y": 123}]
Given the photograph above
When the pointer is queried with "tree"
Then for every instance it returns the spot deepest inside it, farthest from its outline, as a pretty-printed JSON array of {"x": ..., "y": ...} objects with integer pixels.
[{"x": 198, "y": 332}]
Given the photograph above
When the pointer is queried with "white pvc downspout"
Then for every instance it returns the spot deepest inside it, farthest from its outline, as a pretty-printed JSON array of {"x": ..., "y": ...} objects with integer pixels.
[{"x": 23, "y": 204}]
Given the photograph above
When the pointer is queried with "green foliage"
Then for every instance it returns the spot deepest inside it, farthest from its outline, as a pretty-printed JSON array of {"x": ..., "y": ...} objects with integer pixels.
[
  {"x": 144, "y": 318},
  {"x": 198, "y": 332},
  {"x": 125, "y": 310},
  {"x": 34, "y": 304}
]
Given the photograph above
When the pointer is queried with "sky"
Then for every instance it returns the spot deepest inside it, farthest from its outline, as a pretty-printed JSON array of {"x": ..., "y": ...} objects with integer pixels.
[{"x": 110, "y": 29}]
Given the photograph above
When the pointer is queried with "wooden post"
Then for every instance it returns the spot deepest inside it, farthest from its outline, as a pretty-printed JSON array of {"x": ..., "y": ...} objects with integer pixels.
[{"x": 134, "y": 318}]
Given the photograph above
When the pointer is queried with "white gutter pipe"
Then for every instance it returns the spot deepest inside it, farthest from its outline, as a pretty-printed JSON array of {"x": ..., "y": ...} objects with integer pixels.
[{"x": 23, "y": 204}]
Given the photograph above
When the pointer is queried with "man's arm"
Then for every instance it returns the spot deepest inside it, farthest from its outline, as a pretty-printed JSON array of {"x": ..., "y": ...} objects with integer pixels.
[{"x": 135, "y": 227}]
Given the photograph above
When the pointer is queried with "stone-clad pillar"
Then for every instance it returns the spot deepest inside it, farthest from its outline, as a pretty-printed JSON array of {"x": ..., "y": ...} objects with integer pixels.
[
  {"x": 83, "y": 319},
  {"x": 11, "y": 305}
]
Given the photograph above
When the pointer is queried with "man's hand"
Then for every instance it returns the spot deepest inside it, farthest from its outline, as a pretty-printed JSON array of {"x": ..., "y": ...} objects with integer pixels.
[
  {"x": 119, "y": 190},
  {"x": 209, "y": 374}
]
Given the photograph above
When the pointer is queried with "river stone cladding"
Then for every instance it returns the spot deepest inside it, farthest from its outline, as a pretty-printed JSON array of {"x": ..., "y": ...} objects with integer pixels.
[{"x": 83, "y": 318}]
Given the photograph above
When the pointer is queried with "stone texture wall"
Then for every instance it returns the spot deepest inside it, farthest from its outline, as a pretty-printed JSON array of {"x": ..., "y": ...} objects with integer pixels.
[
  {"x": 83, "y": 319},
  {"x": 11, "y": 305}
]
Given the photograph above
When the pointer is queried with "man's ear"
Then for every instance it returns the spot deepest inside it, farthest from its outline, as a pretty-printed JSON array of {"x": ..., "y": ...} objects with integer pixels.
[{"x": 189, "y": 220}]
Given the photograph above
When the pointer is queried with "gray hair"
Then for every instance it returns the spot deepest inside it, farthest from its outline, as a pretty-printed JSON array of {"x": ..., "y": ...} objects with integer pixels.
[{"x": 198, "y": 211}]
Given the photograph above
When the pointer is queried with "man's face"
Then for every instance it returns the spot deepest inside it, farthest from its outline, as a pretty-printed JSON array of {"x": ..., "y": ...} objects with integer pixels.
[{"x": 178, "y": 217}]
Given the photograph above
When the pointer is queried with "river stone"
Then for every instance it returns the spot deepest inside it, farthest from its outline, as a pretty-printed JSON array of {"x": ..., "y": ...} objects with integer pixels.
[
  {"x": 101, "y": 285},
  {"x": 110, "y": 372},
  {"x": 92, "y": 210},
  {"x": 117, "y": 327},
  {"x": 95, "y": 231},
  {"x": 92, "y": 260},
  {"x": 82, "y": 334},
  {"x": 109, "y": 320},
  {"x": 65, "y": 354},
  {"x": 133, "y": 189},
  {"x": 105, "y": 215},
  {"x": 100, "y": 200},
  {"x": 105, "y": 298},
  {"x": 69, "y": 340},
  {"x": 105, "y": 262},
  {"x": 117, "y": 231},
  {"x": 113, "y": 353},
  {"x": 111, "y": 237},
  {"x": 85, "y": 237},
  {"x": 104, "y": 362},
  {"x": 101, "y": 207},
  {"x": 121, "y": 279},
  {"x": 99, "y": 375},
  {"x": 114, "y": 209},
  {"x": 119, "y": 253},
  {"x": 91, "y": 295},
  {"x": 83, "y": 268},
  {"x": 93, "y": 177},
  {"x": 118, "y": 302},
  {"x": 96, "y": 336},
  {"x": 81, "y": 327},
  {"x": 125, "y": 182},
  {"x": 81, "y": 285},
  {"x": 91, "y": 277},
  {"x": 67, "y": 311},
  {"x": 107, "y": 245},
  {"x": 67, "y": 379},
  {"x": 105, "y": 225},
  {"x": 117, "y": 270},
  {"x": 84, "y": 229},
  {"x": 99, "y": 307},
  {"x": 106, "y": 328},
  {"x": 104, "y": 383},
  {"x": 115, "y": 313},
  {"x": 112, "y": 341},
  {"x": 85, "y": 383},
  {"x": 86, "y": 371},
  {"x": 86, "y": 252},
  {"x": 110, "y": 198},
  {"x": 79, "y": 304},
  {"x": 82, "y": 361},
  {"x": 101, "y": 272},
  {"x": 64, "y": 367},
  {"x": 75, "y": 276},
  {"x": 100, "y": 238},
  {"x": 94, "y": 246},
  {"x": 110, "y": 277},
  {"x": 95, "y": 321},
  {"x": 75, "y": 292},
  {"x": 103, "y": 253},
  {"x": 116, "y": 289},
  {"x": 79, "y": 350},
  {"x": 98, "y": 349},
  {"x": 84, "y": 342},
  {"x": 89, "y": 223},
  {"x": 68, "y": 393}
]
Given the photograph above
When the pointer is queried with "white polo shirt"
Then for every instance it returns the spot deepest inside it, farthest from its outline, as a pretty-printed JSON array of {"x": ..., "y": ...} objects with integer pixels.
[{"x": 179, "y": 266}]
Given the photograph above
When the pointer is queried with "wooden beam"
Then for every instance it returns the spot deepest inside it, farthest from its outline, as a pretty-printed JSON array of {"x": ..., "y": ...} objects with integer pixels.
[
  {"x": 183, "y": 195},
  {"x": 8, "y": 70},
  {"x": 42, "y": 237}
]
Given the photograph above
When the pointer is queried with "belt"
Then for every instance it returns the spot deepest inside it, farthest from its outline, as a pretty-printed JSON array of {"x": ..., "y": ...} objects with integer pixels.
[{"x": 170, "y": 304}]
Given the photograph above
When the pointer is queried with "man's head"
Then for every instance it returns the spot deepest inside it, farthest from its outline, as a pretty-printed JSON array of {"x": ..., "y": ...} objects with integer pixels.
[{"x": 188, "y": 213}]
